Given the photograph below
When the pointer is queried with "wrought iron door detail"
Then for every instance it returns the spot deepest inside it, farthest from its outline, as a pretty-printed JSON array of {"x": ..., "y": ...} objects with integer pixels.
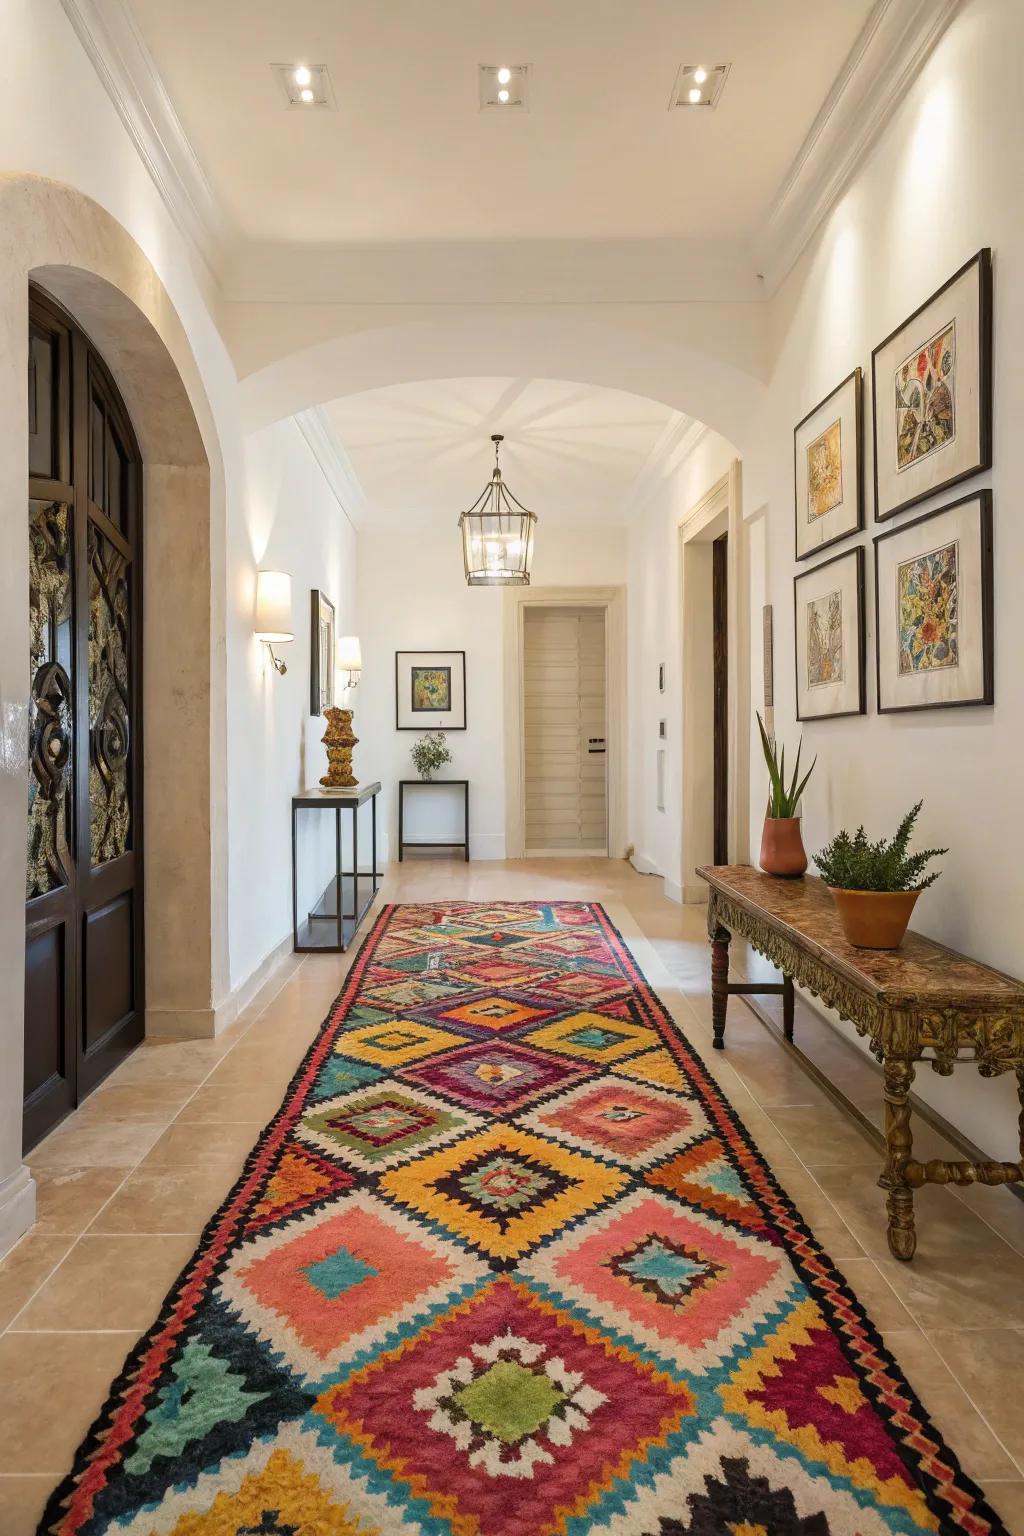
[
  {"x": 109, "y": 699},
  {"x": 50, "y": 708}
]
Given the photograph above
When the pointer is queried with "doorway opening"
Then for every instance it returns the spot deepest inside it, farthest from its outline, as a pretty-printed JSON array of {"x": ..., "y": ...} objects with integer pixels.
[
  {"x": 715, "y": 683},
  {"x": 84, "y": 966},
  {"x": 720, "y": 688},
  {"x": 564, "y": 732}
]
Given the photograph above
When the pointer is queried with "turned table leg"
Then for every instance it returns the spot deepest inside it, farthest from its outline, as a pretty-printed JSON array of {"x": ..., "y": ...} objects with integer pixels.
[
  {"x": 899, "y": 1143},
  {"x": 719, "y": 984}
]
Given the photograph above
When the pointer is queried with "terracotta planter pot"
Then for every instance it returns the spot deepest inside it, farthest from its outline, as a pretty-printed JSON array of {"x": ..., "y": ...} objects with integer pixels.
[
  {"x": 874, "y": 919},
  {"x": 782, "y": 847}
]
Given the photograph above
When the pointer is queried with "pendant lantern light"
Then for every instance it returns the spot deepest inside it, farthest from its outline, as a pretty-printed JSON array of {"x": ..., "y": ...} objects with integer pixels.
[{"x": 497, "y": 534}]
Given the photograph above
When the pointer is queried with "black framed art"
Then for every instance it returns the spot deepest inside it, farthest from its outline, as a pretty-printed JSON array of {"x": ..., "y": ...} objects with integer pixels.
[
  {"x": 430, "y": 690},
  {"x": 828, "y": 469},
  {"x": 321, "y": 652},
  {"x": 828, "y": 613},
  {"x": 932, "y": 392},
  {"x": 933, "y": 609}
]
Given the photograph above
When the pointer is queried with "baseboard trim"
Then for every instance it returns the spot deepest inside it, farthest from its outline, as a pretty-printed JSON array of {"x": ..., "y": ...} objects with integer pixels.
[
  {"x": 208, "y": 1023},
  {"x": 695, "y": 895},
  {"x": 17, "y": 1207}
]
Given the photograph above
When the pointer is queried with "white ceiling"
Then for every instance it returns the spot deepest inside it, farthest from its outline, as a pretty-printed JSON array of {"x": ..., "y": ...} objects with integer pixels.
[
  {"x": 572, "y": 453},
  {"x": 408, "y": 155}
]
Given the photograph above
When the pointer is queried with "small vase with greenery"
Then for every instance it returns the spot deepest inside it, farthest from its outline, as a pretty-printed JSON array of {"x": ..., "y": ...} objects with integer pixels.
[
  {"x": 429, "y": 753},
  {"x": 875, "y": 885},
  {"x": 782, "y": 848}
]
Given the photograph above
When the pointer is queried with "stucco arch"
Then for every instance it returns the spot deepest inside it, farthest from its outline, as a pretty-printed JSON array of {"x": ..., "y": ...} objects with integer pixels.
[
  {"x": 706, "y": 365},
  {"x": 69, "y": 245}
]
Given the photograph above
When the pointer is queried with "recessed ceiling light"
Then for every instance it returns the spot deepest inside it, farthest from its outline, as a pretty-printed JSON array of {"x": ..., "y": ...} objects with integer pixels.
[
  {"x": 305, "y": 87},
  {"x": 698, "y": 85},
  {"x": 503, "y": 85}
]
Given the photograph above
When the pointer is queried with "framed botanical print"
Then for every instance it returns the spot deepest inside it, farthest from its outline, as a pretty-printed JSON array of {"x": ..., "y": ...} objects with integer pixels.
[
  {"x": 430, "y": 690},
  {"x": 932, "y": 392},
  {"x": 933, "y": 608},
  {"x": 321, "y": 652},
  {"x": 828, "y": 464},
  {"x": 829, "y": 617}
]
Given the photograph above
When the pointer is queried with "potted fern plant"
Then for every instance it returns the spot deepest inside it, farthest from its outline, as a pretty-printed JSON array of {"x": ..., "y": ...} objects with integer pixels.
[
  {"x": 875, "y": 885},
  {"x": 782, "y": 847}
]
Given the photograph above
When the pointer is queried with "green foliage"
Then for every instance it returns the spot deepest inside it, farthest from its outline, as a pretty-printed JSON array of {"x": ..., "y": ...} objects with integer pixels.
[
  {"x": 782, "y": 801},
  {"x": 854, "y": 864},
  {"x": 430, "y": 752}
]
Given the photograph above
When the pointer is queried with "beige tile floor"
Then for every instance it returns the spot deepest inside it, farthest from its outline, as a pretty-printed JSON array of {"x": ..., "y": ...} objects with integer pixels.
[{"x": 128, "y": 1182}]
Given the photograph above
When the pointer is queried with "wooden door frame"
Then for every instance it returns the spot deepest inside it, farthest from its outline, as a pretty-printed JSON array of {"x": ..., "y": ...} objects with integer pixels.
[
  {"x": 516, "y": 602},
  {"x": 719, "y": 511}
]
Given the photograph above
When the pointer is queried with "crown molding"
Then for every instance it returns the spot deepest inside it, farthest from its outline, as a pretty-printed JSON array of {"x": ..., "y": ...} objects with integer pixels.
[
  {"x": 107, "y": 31},
  {"x": 678, "y": 439},
  {"x": 887, "y": 57},
  {"x": 335, "y": 466}
]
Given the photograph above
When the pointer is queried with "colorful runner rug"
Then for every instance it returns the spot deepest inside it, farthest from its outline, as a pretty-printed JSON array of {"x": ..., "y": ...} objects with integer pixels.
[{"x": 506, "y": 1264}]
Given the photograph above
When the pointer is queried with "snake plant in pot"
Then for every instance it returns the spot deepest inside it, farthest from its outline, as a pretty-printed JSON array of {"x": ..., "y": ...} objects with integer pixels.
[
  {"x": 782, "y": 847},
  {"x": 875, "y": 885}
]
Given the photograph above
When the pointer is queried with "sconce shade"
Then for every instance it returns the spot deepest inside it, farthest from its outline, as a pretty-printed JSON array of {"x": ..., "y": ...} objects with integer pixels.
[
  {"x": 349, "y": 656},
  {"x": 273, "y": 607}
]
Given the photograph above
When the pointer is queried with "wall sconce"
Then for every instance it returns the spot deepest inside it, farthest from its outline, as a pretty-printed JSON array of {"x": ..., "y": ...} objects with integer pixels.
[
  {"x": 274, "y": 613},
  {"x": 349, "y": 660}
]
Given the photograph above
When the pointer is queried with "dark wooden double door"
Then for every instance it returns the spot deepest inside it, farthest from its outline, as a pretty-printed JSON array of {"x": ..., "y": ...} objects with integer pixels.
[{"x": 84, "y": 977}]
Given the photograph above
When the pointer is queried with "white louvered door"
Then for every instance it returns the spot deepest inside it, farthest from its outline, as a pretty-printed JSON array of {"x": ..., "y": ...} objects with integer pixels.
[{"x": 564, "y": 727}]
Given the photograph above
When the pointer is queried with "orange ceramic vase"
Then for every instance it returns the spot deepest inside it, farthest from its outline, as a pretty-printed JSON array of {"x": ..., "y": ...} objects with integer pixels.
[
  {"x": 874, "y": 919},
  {"x": 782, "y": 847}
]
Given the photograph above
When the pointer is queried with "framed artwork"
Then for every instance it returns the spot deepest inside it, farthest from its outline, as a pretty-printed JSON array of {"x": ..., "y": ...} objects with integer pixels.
[
  {"x": 430, "y": 690},
  {"x": 933, "y": 608},
  {"x": 829, "y": 618},
  {"x": 321, "y": 652},
  {"x": 828, "y": 468},
  {"x": 661, "y": 677},
  {"x": 932, "y": 393}
]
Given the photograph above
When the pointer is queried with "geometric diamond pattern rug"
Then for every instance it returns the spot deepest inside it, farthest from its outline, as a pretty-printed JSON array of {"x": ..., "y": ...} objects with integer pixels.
[{"x": 505, "y": 1263}]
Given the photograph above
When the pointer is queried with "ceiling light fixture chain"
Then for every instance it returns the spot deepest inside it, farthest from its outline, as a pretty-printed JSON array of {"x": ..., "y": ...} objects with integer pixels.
[{"x": 497, "y": 533}]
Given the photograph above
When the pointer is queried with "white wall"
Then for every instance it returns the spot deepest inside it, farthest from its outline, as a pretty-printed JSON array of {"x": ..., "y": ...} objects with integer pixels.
[
  {"x": 934, "y": 190},
  {"x": 413, "y": 596},
  {"x": 289, "y": 521},
  {"x": 655, "y": 637}
]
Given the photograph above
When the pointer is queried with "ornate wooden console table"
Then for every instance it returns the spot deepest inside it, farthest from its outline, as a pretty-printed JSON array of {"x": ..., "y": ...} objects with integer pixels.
[{"x": 922, "y": 1002}]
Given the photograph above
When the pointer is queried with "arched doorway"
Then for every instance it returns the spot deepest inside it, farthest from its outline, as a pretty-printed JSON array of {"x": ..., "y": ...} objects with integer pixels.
[{"x": 84, "y": 969}]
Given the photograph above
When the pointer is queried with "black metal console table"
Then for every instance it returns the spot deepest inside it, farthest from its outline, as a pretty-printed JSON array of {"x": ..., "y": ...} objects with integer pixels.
[
  {"x": 332, "y": 921},
  {"x": 403, "y": 844}
]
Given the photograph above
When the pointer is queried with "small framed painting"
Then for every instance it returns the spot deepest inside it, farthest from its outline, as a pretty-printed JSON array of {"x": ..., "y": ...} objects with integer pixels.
[
  {"x": 828, "y": 463},
  {"x": 430, "y": 690},
  {"x": 829, "y": 617},
  {"x": 932, "y": 393},
  {"x": 321, "y": 652},
  {"x": 933, "y": 609}
]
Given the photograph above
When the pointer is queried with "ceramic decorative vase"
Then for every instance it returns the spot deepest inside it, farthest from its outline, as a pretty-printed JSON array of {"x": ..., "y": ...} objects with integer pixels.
[
  {"x": 874, "y": 919},
  {"x": 339, "y": 741},
  {"x": 782, "y": 847}
]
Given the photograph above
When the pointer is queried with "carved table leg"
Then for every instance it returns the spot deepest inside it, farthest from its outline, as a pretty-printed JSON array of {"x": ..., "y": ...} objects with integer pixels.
[
  {"x": 719, "y": 984},
  {"x": 787, "y": 1007},
  {"x": 899, "y": 1142}
]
